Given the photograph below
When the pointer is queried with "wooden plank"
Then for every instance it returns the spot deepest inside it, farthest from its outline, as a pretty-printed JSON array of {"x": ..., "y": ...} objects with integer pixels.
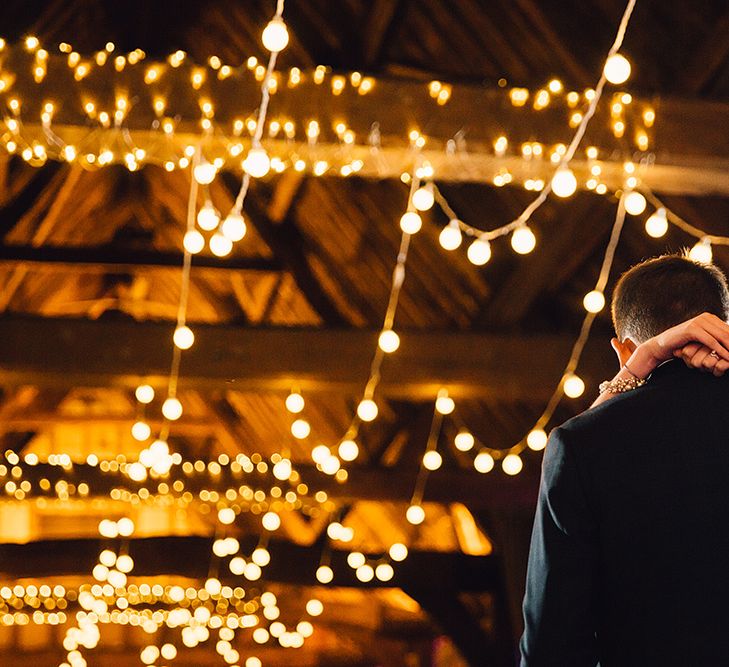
[{"x": 67, "y": 352}]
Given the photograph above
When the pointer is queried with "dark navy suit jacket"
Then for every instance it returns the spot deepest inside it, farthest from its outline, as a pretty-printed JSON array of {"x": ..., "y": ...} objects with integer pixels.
[{"x": 629, "y": 562}]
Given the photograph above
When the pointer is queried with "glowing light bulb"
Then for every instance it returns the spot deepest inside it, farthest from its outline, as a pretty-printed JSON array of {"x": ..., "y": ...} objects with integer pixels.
[
  {"x": 183, "y": 337},
  {"x": 220, "y": 245},
  {"x": 314, "y": 607},
  {"x": 483, "y": 462},
  {"x": 479, "y": 252},
  {"x": 424, "y": 197},
  {"x": 356, "y": 559},
  {"x": 141, "y": 431},
  {"x": 365, "y": 573},
  {"x": 234, "y": 227},
  {"x": 226, "y": 515},
  {"x": 415, "y": 515},
  {"x": 573, "y": 385},
  {"x": 464, "y": 441},
  {"x": 213, "y": 586},
  {"x": 564, "y": 182},
  {"x": 634, "y": 203},
  {"x": 523, "y": 240},
  {"x": 275, "y": 35},
  {"x": 388, "y": 341},
  {"x": 411, "y": 222},
  {"x": 398, "y": 552},
  {"x": 271, "y": 521},
  {"x": 125, "y": 526},
  {"x": 257, "y": 162},
  {"x": 294, "y": 402},
  {"x": 205, "y": 173},
  {"x": 125, "y": 564},
  {"x": 330, "y": 465},
  {"x": 261, "y": 557},
  {"x": 320, "y": 453},
  {"x": 657, "y": 225},
  {"x": 702, "y": 252},
  {"x": 172, "y": 409},
  {"x": 450, "y": 236},
  {"x": 617, "y": 69},
  {"x": 348, "y": 450},
  {"x": 108, "y": 528},
  {"x": 512, "y": 464},
  {"x": 193, "y": 242},
  {"x": 432, "y": 460},
  {"x": 324, "y": 574},
  {"x": 367, "y": 410},
  {"x": 208, "y": 217},
  {"x": 144, "y": 393},
  {"x": 537, "y": 439},
  {"x": 594, "y": 301},
  {"x": 300, "y": 429},
  {"x": 444, "y": 404},
  {"x": 237, "y": 565}
]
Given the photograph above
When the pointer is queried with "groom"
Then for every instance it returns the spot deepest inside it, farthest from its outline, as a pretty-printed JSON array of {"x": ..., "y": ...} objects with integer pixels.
[{"x": 629, "y": 562}]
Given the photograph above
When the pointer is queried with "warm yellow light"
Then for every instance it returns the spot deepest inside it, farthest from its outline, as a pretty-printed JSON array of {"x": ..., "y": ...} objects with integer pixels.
[
  {"x": 271, "y": 521},
  {"x": 617, "y": 69},
  {"x": 411, "y": 222},
  {"x": 634, "y": 202},
  {"x": 702, "y": 252},
  {"x": 172, "y": 409},
  {"x": 205, "y": 172},
  {"x": 519, "y": 96},
  {"x": 367, "y": 410},
  {"x": 193, "y": 242},
  {"x": 415, "y": 515},
  {"x": 300, "y": 429},
  {"x": 432, "y": 460},
  {"x": 464, "y": 441},
  {"x": 424, "y": 197},
  {"x": 208, "y": 217},
  {"x": 512, "y": 464},
  {"x": 183, "y": 337},
  {"x": 275, "y": 36},
  {"x": 398, "y": 552},
  {"x": 594, "y": 301},
  {"x": 537, "y": 439},
  {"x": 234, "y": 227},
  {"x": 573, "y": 385},
  {"x": 144, "y": 393},
  {"x": 479, "y": 252},
  {"x": 564, "y": 182},
  {"x": 483, "y": 462},
  {"x": 450, "y": 237},
  {"x": 657, "y": 225},
  {"x": 523, "y": 240},
  {"x": 257, "y": 162},
  {"x": 31, "y": 43},
  {"x": 555, "y": 86},
  {"x": 389, "y": 341},
  {"x": 125, "y": 526},
  {"x": 324, "y": 574},
  {"x": 295, "y": 402},
  {"x": 348, "y": 450},
  {"x": 226, "y": 515},
  {"x": 444, "y": 404},
  {"x": 141, "y": 431}
]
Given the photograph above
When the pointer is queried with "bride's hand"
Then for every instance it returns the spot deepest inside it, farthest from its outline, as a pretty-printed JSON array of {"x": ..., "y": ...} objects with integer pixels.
[{"x": 699, "y": 356}]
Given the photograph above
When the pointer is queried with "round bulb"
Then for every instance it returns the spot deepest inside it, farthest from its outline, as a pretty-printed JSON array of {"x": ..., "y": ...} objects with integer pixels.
[
  {"x": 320, "y": 453},
  {"x": 125, "y": 564},
  {"x": 356, "y": 559},
  {"x": 208, "y": 217},
  {"x": 702, "y": 252},
  {"x": 512, "y": 464},
  {"x": 125, "y": 526},
  {"x": 234, "y": 227},
  {"x": 450, "y": 236},
  {"x": 226, "y": 515},
  {"x": 398, "y": 552},
  {"x": 261, "y": 557},
  {"x": 657, "y": 225},
  {"x": 330, "y": 465},
  {"x": 294, "y": 402},
  {"x": 141, "y": 431},
  {"x": 205, "y": 173},
  {"x": 415, "y": 515},
  {"x": 144, "y": 393},
  {"x": 193, "y": 242},
  {"x": 424, "y": 198},
  {"x": 389, "y": 341},
  {"x": 537, "y": 439},
  {"x": 432, "y": 460},
  {"x": 574, "y": 387},
  {"x": 183, "y": 337},
  {"x": 282, "y": 470},
  {"x": 365, "y": 573},
  {"x": 314, "y": 607},
  {"x": 257, "y": 162},
  {"x": 594, "y": 301},
  {"x": 220, "y": 245},
  {"x": 172, "y": 409},
  {"x": 367, "y": 410},
  {"x": 617, "y": 69},
  {"x": 300, "y": 429},
  {"x": 324, "y": 575},
  {"x": 348, "y": 450},
  {"x": 464, "y": 441},
  {"x": 564, "y": 182},
  {"x": 479, "y": 252},
  {"x": 483, "y": 462},
  {"x": 445, "y": 405},
  {"x": 271, "y": 521},
  {"x": 411, "y": 222},
  {"x": 634, "y": 203},
  {"x": 275, "y": 35},
  {"x": 213, "y": 586},
  {"x": 523, "y": 240},
  {"x": 237, "y": 565}
]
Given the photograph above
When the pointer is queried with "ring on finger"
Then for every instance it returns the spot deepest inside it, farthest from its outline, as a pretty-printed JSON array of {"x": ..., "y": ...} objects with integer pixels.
[{"x": 714, "y": 354}]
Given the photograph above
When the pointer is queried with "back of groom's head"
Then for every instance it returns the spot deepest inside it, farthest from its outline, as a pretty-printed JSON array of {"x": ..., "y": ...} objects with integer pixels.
[{"x": 662, "y": 292}]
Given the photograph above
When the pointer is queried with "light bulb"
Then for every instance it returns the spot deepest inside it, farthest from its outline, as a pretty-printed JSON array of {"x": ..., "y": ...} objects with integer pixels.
[
  {"x": 275, "y": 35},
  {"x": 125, "y": 526},
  {"x": 282, "y": 470},
  {"x": 365, "y": 573},
  {"x": 237, "y": 565},
  {"x": 108, "y": 528},
  {"x": 523, "y": 240},
  {"x": 330, "y": 465},
  {"x": 356, "y": 559},
  {"x": 701, "y": 252},
  {"x": 257, "y": 162},
  {"x": 314, "y": 607},
  {"x": 183, "y": 337},
  {"x": 411, "y": 222},
  {"x": 193, "y": 242},
  {"x": 512, "y": 464},
  {"x": 208, "y": 217},
  {"x": 252, "y": 572},
  {"x": 657, "y": 225},
  {"x": 415, "y": 515},
  {"x": 294, "y": 402},
  {"x": 389, "y": 341},
  {"x": 537, "y": 439},
  {"x": 450, "y": 236},
  {"x": 300, "y": 429},
  {"x": 226, "y": 515},
  {"x": 594, "y": 301},
  {"x": 144, "y": 393},
  {"x": 634, "y": 203},
  {"x": 483, "y": 462},
  {"x": 168, "y": 651},
  {"x": 320, "y": 453},
  {"x": 424, "y": 198},
  {"x": 367, "y": 410},
  {"x": 271, "y": 521},
  {"x": 564, "y": 182},
  {"x": 445, "y": 404},
  {"x": 573, "y": 386},
  {"x": 432, "y": 460},
  {"x": 261, "y": 557},
  {"x": 141, "y": 431},
  {"x": 617, "y": 69},
  {"x": 324, "y": 574},
  {"x": 348, "y": 450},
  {"x": 234, "y": 227},
  {"x": 213, "y": 586},
  {"x": 205, "y": 173},
  {"x": 125, "y": 564},
  {"x": 464, "y": 441},
  {"x": 398, "y": 552},
  {"x": 220, "y": 245},
  {"x": 479, "y": 252},
  {"x": 172, "y": 409},
  {"x": 107, "y": 557}
]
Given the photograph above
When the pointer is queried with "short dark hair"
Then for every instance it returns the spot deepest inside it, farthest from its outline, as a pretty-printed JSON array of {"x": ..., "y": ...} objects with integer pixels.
[{"x": 662, "y": 292}]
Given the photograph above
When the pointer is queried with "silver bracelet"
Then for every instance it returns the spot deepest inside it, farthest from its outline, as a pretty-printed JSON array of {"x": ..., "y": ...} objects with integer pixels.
[{"x": 620, "y": 385}]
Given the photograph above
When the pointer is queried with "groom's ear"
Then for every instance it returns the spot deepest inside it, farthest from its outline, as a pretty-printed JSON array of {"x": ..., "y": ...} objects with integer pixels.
[{"x": 623, "y": 349}]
